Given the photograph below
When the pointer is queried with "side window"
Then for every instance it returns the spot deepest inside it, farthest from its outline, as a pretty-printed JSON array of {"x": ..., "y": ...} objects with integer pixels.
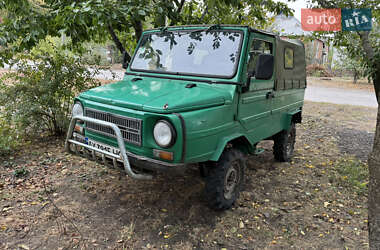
[
  {"x": 262, "y": 46},
  {"x": 257, "y": 47},
  {"x": 289, "y": 58}
]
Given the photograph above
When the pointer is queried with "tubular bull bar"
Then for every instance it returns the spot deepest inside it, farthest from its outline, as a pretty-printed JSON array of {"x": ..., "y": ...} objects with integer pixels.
[{"x": 123, "y": 153}]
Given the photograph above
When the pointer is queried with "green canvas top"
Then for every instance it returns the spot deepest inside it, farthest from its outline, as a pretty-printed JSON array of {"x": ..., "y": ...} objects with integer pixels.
[{"x": 290, "y": 76}]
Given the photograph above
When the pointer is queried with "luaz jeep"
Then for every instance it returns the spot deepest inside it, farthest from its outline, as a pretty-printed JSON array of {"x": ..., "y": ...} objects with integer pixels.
[{"x": 196, "y": 94}]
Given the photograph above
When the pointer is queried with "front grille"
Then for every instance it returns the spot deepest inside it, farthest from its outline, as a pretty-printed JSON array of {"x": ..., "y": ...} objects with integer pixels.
[{"x": 130, "y": 127}]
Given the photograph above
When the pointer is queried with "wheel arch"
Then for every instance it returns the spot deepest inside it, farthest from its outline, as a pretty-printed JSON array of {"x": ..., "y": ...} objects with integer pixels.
[
  {"x": 238, "y": 141},
  {"x": 294, "y": 116}
]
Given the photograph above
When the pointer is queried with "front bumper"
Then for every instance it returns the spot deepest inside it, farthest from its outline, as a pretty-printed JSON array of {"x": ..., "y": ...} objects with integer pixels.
[{"x": 73, "y": 142}]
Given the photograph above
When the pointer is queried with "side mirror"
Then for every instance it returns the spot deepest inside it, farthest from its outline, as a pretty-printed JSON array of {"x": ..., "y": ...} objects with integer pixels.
[
  {"x": 264, "y": 67},
  {"x": 126, "y": 59}
]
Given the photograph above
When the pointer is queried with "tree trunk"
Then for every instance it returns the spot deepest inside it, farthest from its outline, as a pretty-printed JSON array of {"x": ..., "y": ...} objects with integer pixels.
[
  {"x": 374, "y": 158},
  {"x": 355, "y": 76},
  {"x": 117, "y": 42},
  {"x": 374, "y": 180},
  {"x": 137, "y": 25}
]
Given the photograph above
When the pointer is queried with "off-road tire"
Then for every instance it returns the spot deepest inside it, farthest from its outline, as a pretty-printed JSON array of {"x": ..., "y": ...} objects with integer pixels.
[
  {"x": 203, "y": 169},
  {"x": 283, "y": 146},
  {"x": 225, "y": 180}
]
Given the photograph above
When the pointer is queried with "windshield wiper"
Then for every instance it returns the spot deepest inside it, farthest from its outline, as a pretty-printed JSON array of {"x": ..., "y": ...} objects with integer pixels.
[{"x": 222, "y": 82}]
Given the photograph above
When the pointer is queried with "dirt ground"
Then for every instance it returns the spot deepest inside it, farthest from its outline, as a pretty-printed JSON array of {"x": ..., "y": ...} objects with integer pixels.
[
  {"x": 339, "y": 82},
  {"x": 60, "y": 201}
]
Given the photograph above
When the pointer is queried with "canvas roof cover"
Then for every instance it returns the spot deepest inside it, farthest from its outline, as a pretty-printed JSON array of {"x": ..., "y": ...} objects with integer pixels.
[{"x": 287, "y": 78}]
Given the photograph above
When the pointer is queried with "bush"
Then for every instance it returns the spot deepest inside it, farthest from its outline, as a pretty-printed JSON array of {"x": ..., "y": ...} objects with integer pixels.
[
  {"x": 318, "y": 71},
  {"x": 9, "y": 137},
  {"x": 96, "y": 54},
  {"x": 39, "y": 96}
]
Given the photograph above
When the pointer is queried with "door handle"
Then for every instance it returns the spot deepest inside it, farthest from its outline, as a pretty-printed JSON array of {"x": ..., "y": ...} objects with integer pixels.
[{"x": 270, "y": 94}]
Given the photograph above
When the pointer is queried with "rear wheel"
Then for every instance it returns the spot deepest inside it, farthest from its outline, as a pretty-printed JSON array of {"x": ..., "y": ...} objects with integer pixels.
[
  {"x": 284, "y": 141},
  {"x": 224, "y": 181}
]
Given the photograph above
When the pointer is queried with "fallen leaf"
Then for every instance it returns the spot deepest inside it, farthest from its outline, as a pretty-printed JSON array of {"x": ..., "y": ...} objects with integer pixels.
[
  {"x": 23, "y": 246},
  {"x": 7, "y": 208}
]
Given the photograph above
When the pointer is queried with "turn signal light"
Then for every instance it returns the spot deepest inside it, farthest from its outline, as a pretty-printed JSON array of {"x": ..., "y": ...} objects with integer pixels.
[
  {"x": 78, "y": 129},
  {"x": 163, "y": 154}
]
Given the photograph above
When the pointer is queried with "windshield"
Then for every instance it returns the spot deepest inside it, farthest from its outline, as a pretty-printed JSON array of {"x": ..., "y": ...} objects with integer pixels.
[{"x": 209, "y": 53}]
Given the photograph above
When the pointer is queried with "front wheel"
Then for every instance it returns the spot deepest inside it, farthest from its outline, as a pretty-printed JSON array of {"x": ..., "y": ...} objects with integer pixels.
[
  {"x": 284, "y": 141},
  {"x": 225, "y": 180}
]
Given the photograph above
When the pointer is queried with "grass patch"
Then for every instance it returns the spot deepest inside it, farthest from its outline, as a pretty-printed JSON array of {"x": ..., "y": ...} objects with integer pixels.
[
  {"x": 20, "y": 172},
  {"x": 353, "y": 174}
]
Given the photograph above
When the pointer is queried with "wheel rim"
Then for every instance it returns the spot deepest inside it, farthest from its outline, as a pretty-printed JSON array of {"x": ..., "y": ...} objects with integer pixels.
[
  {"x": 231, "y": 180},
  {"x": 290, "y": 143}
]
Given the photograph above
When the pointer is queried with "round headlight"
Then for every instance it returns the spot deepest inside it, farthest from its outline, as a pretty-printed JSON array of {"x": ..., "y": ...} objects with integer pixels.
[
  {"x": 164, "y": 134},
  {"x": 77, "y": 109}
]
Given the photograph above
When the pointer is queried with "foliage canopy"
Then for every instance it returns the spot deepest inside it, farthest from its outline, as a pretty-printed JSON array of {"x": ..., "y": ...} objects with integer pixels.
[{"x": 28, "y": 21}]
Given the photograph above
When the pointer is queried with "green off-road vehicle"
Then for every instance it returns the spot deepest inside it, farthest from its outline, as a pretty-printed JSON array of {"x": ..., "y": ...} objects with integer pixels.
[{"x": 195, "y": 94}]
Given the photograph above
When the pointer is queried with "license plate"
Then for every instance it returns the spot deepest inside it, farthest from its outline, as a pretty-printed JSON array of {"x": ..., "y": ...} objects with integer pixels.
[{"x": 102, "y": 146}]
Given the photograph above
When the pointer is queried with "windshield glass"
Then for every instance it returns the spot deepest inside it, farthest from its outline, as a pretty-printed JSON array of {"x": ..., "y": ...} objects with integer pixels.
[{"x": 209, "y": 53}]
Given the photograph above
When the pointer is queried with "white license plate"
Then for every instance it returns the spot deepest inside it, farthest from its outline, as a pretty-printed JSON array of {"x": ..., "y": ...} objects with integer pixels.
[{"x": 102, "y": 146}]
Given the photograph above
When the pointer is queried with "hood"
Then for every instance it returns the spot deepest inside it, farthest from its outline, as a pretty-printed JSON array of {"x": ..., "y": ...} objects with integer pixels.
[{"x": 160, "y": 95}]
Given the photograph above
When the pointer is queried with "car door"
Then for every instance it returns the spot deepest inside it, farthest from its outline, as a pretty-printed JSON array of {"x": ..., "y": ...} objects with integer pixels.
[{"x": 255, "y": 102}]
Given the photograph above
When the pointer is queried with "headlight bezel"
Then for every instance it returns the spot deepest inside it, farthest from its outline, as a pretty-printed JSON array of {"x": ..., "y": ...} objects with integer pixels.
[
  {"x": 74, "y": 112},
  {"x": 172, "y": 131}
]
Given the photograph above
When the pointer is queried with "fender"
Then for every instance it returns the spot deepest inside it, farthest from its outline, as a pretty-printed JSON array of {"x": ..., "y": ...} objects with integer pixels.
[
  {"x": 293, "y": 116},
  {"x": 238, "y": 139}
]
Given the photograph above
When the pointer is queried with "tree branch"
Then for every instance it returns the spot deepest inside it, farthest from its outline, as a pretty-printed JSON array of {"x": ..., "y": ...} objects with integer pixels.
[
  {"x": 204, "y": 14},
  {"x": 180, "y": 6},
  {"x": 176, "y": 2},
  {"x": 117, "y": 42},
  {"x": 178, "y": 12}
]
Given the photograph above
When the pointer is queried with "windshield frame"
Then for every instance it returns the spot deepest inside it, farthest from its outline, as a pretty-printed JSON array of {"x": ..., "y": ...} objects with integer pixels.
[{"x": 236, "y": 65}]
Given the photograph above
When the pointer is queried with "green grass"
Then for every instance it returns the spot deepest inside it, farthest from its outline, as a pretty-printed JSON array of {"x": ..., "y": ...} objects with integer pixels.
[
  {"x": 353, "y": 174},
  {"x": 20, "y": 172}
]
